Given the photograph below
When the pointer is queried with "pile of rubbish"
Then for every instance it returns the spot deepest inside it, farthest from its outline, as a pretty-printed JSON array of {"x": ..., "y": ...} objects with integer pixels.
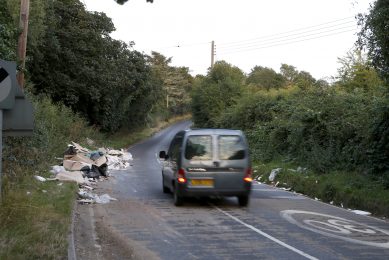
[{"x": 85, "y": 167}]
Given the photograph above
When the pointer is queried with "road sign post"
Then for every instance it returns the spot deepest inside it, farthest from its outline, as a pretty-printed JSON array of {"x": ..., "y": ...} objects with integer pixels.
[{"x": 1, "y": 149}]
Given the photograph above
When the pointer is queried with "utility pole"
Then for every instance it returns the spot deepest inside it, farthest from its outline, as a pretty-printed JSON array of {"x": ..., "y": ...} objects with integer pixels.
[
  {"x": 22, "y": 43},
  {"x": 212, "y": 53}
]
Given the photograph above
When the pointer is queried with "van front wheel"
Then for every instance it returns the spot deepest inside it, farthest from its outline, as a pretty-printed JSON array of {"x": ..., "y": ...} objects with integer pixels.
[
  {"x": 243, "y": 200},
  {"x": 164, "y": 188}
]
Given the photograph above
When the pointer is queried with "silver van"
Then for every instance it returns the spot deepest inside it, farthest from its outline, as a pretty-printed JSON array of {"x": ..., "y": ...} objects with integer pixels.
[{"x": 207, "y": 162}]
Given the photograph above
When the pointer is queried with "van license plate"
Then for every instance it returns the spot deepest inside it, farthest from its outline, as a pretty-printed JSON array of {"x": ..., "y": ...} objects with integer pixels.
[{"x": 202, "y": 182}]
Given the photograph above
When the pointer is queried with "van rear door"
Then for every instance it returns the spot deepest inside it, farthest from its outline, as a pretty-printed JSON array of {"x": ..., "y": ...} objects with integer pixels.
[{"x": 216, "y": 161}]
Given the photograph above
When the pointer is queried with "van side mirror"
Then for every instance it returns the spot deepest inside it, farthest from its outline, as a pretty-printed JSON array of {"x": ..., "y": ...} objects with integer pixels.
[{"x": 163, "y": 155}]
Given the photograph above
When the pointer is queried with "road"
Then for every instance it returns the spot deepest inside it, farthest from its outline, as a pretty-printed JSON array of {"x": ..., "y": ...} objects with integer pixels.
[{"x": 144, "y": 224}]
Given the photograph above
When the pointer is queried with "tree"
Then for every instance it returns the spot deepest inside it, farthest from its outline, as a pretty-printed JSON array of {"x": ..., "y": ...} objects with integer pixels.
[
  {"x": 77, "y": 63},
  {"x": 175, "y": 82},
  {"x": 265, "y": 78},
  {"x": 289, "y": 72},
  {"x": 214, "y": 93},
  {"x": 304, "y": 80},
  {"x": 357, "y": 72},
  {"x": 8, "y": 33},
  {"x": 375, "y": 37}
]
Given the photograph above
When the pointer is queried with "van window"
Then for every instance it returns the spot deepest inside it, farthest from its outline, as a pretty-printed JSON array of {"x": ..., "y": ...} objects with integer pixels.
[
  {"x": 199, "y": 147},
  {"x": 231, "y": 147},
  {"x": 174, "y": 151}
]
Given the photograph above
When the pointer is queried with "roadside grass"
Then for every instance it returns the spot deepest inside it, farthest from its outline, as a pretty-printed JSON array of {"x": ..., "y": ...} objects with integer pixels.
[
  {"x": 350, "y": 190},
  {"x": 124, "y": 138},
  {"x": 35, "y": 220}
]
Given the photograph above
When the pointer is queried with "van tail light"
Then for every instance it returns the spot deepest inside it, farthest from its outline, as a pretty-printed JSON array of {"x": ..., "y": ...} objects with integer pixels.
[
  {"x": 248, "y": 175},
  {"x": 181, "y": 176}
]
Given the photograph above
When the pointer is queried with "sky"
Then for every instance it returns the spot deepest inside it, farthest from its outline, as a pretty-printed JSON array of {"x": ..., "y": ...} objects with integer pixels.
[{"x": 308, "y": 34}]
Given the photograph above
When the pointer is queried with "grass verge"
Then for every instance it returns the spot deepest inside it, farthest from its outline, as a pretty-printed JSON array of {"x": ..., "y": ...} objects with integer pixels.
[
  {"x": 345, "y": 189},
  {"x": 124, "y": 138},
  {"x": 35, "y": 219}
]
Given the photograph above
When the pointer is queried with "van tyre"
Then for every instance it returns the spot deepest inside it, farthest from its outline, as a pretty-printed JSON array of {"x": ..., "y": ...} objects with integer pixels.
[
  {"x": 243, "y": 200},
  {"x": 178, "y": 200},
  {"x": 164, "y": 188}
]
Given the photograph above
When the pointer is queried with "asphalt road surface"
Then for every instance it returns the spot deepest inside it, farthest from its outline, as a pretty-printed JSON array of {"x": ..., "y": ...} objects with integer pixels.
[{"x": 144, "y": 224}]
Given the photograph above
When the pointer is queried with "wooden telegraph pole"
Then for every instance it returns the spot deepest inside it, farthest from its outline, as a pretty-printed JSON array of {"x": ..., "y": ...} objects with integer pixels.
[
  {"x": 22, "y": 43},
  {"x": 212, "y": 53}
]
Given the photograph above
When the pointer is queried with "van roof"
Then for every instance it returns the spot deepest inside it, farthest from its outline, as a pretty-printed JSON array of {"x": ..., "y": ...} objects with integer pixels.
[{"x": 210, "y": 131}]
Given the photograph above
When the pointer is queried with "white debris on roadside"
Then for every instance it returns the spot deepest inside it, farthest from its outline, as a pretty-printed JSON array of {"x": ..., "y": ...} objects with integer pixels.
[
  {"x": 40, "y": 178},
  {"x": 74, "y": 176},
  {"x": 274, "y": 173},
  {"x": 361, "y": 212},
  {"x": 299, "y": 170},
  {"x": 57, "y": 169},
  {"x": 89, "y": 197},
  {"x": 86, "y": 167}
]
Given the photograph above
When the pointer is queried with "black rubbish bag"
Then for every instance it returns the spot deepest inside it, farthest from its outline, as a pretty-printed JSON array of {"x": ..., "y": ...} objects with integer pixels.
[
  {"x": 103, "y": 169},
  {"x": 85, "y": 170},
  {"x": 71, "y": 150},
  {"x": 94, "y": 172}
]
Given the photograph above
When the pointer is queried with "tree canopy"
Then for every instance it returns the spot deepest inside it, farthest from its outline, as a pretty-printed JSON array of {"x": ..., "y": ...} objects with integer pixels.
[
  {"x": 8, "y": 33},
  {"x": 215, "y": 92},
  {"x": 375, "y": 37},
  {"x": 72, "y": 58},
  {"x": 265, "y": 78}
]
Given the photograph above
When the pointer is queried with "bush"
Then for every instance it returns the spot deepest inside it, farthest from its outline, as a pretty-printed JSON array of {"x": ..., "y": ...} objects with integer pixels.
[{"x": 323, "y": 129}]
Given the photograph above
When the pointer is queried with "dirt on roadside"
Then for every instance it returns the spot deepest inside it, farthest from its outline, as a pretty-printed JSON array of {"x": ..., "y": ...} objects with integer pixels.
[{"x": 95, "y": 239}]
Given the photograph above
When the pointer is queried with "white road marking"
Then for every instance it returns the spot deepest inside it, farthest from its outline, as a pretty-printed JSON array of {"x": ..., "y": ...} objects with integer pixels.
[
  {"x": 267, "y": 235},
  {"x": 338, "y": 227},
  {"x": 267, "y": 189},
  {"x": 287, "y": 197}
]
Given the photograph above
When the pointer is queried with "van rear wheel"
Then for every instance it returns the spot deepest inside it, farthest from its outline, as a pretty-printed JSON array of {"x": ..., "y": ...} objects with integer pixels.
[
  {"x": 243, "y": 200},
  {"x": 178, "y": 200}
]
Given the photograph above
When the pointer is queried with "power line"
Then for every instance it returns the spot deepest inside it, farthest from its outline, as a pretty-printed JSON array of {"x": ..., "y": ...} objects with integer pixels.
[
  {"x": 286, "y": 43},
  {"x": 182, "y": 45},
  {"x": 267, "y": 38},
  {"x": 286, "y": 32},
  {"x": 284, "y": 39}
]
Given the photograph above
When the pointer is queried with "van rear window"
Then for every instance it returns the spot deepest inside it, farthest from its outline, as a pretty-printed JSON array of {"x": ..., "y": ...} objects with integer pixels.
[
  {"x": 199, "y": 147},
  {"x": 231, "y": 147}
]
